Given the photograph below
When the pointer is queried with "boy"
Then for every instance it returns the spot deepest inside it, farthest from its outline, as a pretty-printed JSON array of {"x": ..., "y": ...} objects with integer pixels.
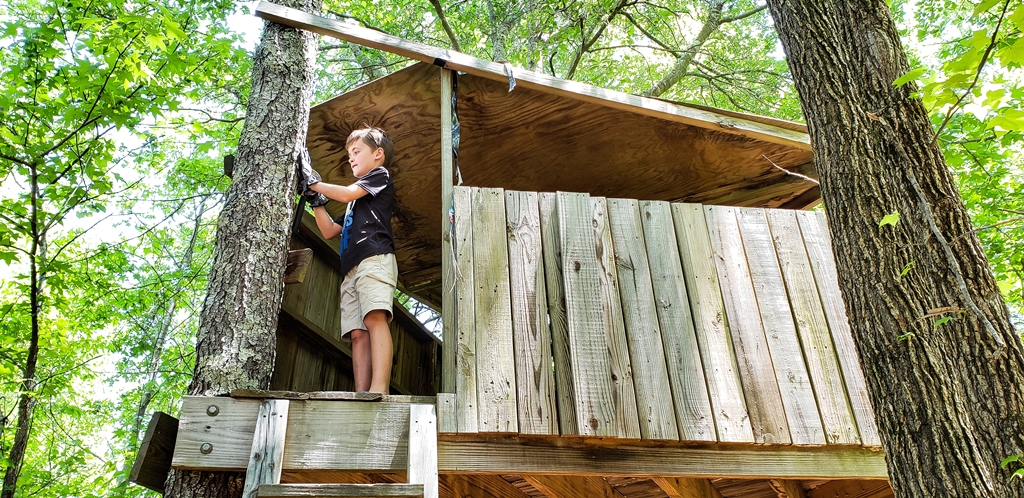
[{"x": 367, "y": 253}]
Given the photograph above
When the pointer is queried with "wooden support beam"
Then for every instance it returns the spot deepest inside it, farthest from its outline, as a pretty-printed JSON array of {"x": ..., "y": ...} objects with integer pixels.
[
  {"x": 478, "y": 486},
  {"x": 849, "y": 488},
  {"x": 267, "y": 446},
  {"x": 572, "y": 487},
  {"x": 448, "y": 302},
  {"x": 787, "y": 488},
  {"x": 339, "y": 490},
  {"x": 702, "y": 118},
  {"x": 153, "y": 461},
  {"x": 299, "y": 262},
  {"x": 686, "y": 487},
  {"x": 422, "y": 466},
  {"x": 458, "y": 453}
]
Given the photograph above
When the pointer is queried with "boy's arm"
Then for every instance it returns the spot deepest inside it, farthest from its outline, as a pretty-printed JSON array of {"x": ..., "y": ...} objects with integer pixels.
[
  {"x": 328, "y": 228},
  {"x": 342, "y": 193}
]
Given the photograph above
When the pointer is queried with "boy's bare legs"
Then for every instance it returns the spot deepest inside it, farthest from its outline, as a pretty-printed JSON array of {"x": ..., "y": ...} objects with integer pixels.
[
  {"x": 376, "y": 323},
  {"x": 361, "y": 359}
]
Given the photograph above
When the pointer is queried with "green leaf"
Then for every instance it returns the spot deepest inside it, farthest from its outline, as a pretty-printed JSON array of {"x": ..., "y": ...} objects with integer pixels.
[
  {"x": 1008, "y": 460},
  {"x": 985, "y": 5},
  {"x": 907, "y": 268},
  {"x": 941, "y": 321},
  {"x": 890, "y": 219},
  {"x": 911, "y": 75}
]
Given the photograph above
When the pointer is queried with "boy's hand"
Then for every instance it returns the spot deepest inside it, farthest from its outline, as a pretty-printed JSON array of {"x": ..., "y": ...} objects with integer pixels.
[
  {"x": 306, "y": 175},
  {"x": 315, "y": 199}
]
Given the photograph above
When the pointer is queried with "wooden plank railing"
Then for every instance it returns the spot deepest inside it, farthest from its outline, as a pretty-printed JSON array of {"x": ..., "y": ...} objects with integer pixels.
[{"x": 618, "y": 318}]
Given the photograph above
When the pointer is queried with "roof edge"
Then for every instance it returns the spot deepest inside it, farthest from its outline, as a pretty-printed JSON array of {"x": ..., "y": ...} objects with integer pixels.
[{"x": 698, "y": 117}]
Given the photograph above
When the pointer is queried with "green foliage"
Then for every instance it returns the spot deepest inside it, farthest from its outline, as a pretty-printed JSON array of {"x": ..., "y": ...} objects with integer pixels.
[
  {"x": 97, "y": 103},
  {"x": 890, "y": 219}
]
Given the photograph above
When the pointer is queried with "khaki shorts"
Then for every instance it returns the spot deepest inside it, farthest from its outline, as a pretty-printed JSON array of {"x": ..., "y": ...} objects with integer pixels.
[{"x": 367, "y": 287}]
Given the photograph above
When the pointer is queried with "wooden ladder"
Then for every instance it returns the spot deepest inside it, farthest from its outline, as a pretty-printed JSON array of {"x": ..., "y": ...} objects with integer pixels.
[{"x": 263, "y": 475}]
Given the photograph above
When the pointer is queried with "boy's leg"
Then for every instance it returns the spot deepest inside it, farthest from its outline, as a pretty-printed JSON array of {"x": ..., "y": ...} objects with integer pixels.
[
  {"x": 380, "y": 350},
  {"x": 361, "y": 359}
]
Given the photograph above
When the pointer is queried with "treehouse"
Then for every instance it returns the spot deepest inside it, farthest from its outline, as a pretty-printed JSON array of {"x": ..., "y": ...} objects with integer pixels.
[{"x": 635, "y": 303}]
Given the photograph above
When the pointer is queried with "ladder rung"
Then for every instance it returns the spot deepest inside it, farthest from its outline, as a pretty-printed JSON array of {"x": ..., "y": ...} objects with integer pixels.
[{"x": 339, "y": 490}]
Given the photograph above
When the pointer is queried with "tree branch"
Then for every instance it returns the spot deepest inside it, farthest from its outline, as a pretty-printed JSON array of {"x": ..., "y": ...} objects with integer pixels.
[{"x": 444, "y": 25}]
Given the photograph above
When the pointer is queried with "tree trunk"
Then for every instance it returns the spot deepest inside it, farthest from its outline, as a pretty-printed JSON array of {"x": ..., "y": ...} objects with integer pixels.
[
  {"x": 237, "y": 326},
  {"x": 947, "y": 395}
]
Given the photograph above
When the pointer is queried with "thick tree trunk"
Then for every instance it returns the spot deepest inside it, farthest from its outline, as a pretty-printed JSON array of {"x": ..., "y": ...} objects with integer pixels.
[
  {"x": 237, "y": 327},
  {"x": 948, "y": 395}
]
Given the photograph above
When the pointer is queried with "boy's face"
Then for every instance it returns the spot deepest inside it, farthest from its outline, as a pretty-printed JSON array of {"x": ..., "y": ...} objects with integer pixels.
[{"x": 363, "y": 157}]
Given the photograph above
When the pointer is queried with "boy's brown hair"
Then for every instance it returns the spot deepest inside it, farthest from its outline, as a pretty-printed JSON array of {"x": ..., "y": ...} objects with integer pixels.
[{"x": 375, "y": 138}]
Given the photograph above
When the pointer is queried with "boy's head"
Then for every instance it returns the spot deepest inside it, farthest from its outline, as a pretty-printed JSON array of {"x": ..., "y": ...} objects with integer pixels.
[{"x": 368, "y": 148}]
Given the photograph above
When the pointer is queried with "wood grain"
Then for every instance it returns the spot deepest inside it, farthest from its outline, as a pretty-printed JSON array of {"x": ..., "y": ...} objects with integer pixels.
[
  {"x": 228, "y": 431},
  {"x": 465, "y": 355},
  {"x": 822, "y": 365},
  {"x": 564, "y": 457},
  {"x": 732, "y": 422},
  {"x": 535, "y": 382},
  {"x": 422, "y": 466},
  {"x": 623, "y": 392},
  {"x": 495, "y": 356},
  {"x": 554, "y": 281},
  {"x": 588, "y": 352},
  {"x": 448, "y": 301},
  {"x": 643, "y": 333},
  {"x": 478, "y": 486},
  {"x": 347, "y": 435},
  {"x": 760, "y": 389},
  {"x": 572, "y": 487},
  {"x": 779, "y": 329},
  {"x": 268, "y": 443},
  {"x": 685, "y": 487},
  {"x": 153, "y": 461},
  {"x": 340, "y": 490},
  {"x": 682, "y": 354},
  {"x": 819, "y": 251}
]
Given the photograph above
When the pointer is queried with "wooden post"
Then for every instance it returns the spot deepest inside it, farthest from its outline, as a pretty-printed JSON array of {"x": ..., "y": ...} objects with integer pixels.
[
  {"x": 267, "y": 446},
  {"x": 448, "y": 312},
  {"x": 423, "y": 448}
]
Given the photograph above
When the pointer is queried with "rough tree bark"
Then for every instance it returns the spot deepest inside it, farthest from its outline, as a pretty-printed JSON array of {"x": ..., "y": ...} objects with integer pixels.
[
  {"x": 948, "y": 395},
  {"x": 236, "y": 339}
]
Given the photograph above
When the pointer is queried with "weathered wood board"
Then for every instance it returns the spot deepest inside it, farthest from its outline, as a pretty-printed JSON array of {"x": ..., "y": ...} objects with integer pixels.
[
  {"x": 554, "y": 281},
  {"x": 643, "y": 332},
  {"x": 819, "y": 250},
  {"x": 495, "y": 372},
  {"x": 836, "y": 415},
  {"x": 535, "y": 381},
  {"x": 623, "y": 392},
  {"x": 685, "y": 370},
  {"x": 780, "y": 332},
  {"x": 760, "y": 389},
  {"x": 465, "y": 332},
  {"x": 588, "y": 352},
  {"x": 710, "y": 325}
]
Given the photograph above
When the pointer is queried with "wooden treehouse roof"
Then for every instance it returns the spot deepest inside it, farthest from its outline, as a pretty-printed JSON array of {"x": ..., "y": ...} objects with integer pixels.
[{"x": 548, "y": 134}]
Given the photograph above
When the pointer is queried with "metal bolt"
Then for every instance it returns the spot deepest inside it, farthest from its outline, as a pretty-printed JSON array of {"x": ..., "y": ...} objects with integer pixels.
[
  {"x": 206, "y": 448},
  {"x": 212, "y": 410}
]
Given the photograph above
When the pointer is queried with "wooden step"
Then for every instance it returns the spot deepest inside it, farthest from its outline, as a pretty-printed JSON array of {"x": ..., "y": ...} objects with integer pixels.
[{"x": 339, "y": 490}]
